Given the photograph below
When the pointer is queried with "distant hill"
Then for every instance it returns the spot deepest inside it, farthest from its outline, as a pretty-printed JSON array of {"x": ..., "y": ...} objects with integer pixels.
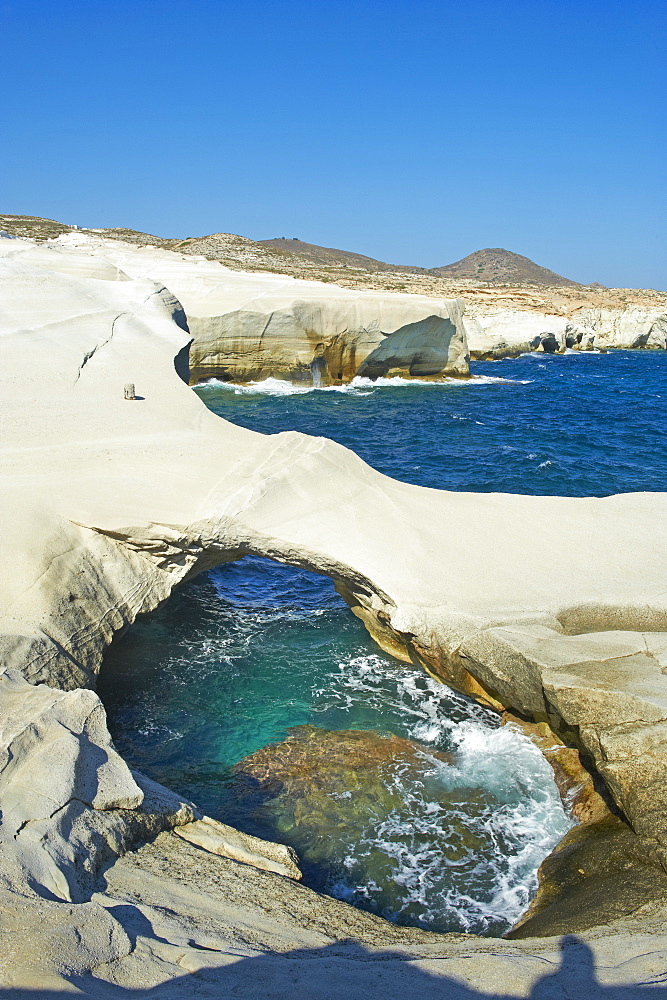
[
  {"x": 502, "y": 266},
  {"x": 33, "y": 227},
  {"x": 308, "y": 260},
  {"x": 483, "y": 265},
  {"x": 328, "y": 256}
]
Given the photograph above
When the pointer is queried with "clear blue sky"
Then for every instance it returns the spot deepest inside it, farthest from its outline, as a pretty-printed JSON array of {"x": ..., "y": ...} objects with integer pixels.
[{"x": 415, "y": 132}]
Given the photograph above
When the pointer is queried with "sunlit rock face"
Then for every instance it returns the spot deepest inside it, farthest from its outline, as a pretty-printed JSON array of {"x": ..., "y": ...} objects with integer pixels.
[
  {"x": 496, "y": 332},
  {"x": 633, "y": 328},
  {"x": 329, "y": 340},
  {"x": 254, "y": 326},
  {"x": 276, "y": 327}
]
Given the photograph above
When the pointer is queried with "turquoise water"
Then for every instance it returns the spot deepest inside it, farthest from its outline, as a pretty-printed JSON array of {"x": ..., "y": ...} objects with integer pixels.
[{"x": 239, "y": 656}]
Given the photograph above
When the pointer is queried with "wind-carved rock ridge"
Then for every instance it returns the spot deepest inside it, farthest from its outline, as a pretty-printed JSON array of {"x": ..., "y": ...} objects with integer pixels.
[{"x": 130, "y": 498}]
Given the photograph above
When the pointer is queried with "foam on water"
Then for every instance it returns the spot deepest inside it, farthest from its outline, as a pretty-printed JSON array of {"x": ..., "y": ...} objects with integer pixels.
[
  {"x": 514, "y": 815},
  {"x": 359, "y": 385}
]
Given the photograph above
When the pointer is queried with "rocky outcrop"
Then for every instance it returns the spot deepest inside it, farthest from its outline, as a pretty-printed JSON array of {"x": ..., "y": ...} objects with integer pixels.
[
  {"x": 597, "y": 873},
  {"x": 248, "y": 327},
  {"x": 606, "y": 329},
  {"x": 110, "y": 503},
  {"x": 508, "y": 333},
  {"x": 313, "y": 336},
  {"x": 497, "y": 333},
  {"x": 69, "y": 802}
]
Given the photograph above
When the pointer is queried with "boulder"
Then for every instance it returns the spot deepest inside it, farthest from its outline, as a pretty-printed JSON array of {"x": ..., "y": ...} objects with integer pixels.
[{"x": 226, "y": 842}]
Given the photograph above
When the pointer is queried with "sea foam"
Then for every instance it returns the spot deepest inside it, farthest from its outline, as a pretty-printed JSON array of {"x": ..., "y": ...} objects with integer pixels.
[{"x": 359, "y": 386}]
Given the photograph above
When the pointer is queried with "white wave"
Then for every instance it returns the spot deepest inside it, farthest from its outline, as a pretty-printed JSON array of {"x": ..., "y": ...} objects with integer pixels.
[
  {"x": 520, "y": 822},
  {"x": 359, "y": 386},
  {"x": 507, "y": 797}
]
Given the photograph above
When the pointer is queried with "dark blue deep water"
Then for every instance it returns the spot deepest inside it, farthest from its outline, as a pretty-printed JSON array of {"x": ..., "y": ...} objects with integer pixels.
[
  {"x": 581, "y": 424},
  {"x": 452, "y": 838}
]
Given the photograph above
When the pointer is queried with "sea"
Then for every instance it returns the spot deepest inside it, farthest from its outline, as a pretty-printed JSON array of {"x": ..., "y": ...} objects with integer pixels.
[{"x": 254, "y": 653}]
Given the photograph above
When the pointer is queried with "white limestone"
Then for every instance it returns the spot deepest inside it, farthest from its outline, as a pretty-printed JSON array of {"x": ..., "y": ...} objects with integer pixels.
[
  {"x": 633, "y": 327},
  {"x": 496, "y": 332},
  {"x": 249, "y": 326},
  {"x": 502, "y": 332},
  {"x": 225, "y": 841}
]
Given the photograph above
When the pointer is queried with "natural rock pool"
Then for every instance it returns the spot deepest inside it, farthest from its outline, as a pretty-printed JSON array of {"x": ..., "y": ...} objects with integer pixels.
[{"x": 398, "y": 795}]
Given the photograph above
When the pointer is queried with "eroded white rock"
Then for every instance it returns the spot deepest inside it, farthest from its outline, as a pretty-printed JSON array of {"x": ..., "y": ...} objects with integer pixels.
[
  {"x": 110, "y": 503},
  {"x": 251, "y": 326}
]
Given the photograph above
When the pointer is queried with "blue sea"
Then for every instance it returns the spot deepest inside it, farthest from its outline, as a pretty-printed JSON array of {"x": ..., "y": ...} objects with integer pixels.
[{"x": 242, "y": 655}]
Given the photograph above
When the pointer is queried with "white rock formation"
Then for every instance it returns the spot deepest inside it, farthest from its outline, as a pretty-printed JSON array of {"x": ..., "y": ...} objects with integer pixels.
[
  {"x": 605, "y": 329},
  {"x": 495, "y": 333},
  {"x": 251, "y": 326},
  {"x": 501, "y": 333},
  {"x": 550, "y": 605}
]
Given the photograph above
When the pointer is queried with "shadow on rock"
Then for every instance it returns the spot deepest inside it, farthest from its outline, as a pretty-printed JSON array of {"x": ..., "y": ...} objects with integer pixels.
[{"x": 346, "y": 971}]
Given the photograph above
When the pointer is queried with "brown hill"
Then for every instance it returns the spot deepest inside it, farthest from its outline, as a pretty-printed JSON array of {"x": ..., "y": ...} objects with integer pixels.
[
  {"x": 307, "y": 260},
  {"x": 329, "y": 256},
  {"x": 501, "y": 266}
]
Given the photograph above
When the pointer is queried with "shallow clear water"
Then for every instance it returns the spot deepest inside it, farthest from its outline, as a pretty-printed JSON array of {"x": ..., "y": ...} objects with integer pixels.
[{"x": 452, "y": 838}]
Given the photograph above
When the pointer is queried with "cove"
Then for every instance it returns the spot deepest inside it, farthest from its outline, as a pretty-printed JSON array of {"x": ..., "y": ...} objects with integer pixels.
[{"x": 241, "y": 656}]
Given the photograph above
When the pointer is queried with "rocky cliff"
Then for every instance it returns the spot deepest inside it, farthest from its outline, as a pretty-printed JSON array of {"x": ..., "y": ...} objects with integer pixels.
[
  {"x": 248, "y": 326},
  {"x": 494, "y": 332}
]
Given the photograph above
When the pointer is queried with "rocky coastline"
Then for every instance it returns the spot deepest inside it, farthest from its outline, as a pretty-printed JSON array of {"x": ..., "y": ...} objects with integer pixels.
[
  {"x": 251, "y": 325},
  {"x": 111, "y": 502}
]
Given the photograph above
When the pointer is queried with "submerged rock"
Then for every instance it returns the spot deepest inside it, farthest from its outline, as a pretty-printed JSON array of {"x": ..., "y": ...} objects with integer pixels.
[
  {"x": 326, "y": 758},
  {"x": 392, "y": 826},
  {"x": 318, "y": 783}
]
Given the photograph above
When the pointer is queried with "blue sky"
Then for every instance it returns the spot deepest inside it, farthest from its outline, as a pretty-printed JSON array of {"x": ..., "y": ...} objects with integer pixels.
[{"x": 413, "y": 132}]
